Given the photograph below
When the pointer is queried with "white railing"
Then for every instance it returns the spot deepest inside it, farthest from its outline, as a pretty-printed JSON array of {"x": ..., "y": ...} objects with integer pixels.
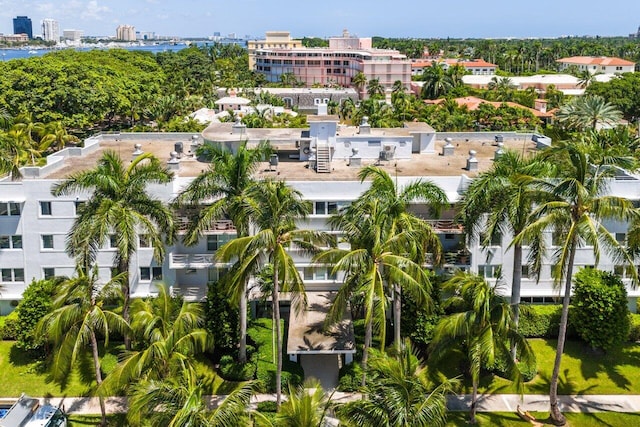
[{"x": 191, "y": 261}]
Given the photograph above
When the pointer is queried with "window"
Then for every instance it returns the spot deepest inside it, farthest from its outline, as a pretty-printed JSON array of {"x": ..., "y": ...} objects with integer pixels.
[
  {"x": 556, "y": 239},
  {"x": 215, "y": 241},
  {"x": 495, "y": 240},
  {"x": 45, "y": 208},
  {"x": 9, "y": 209},
  {"x": 144, "y": 241},
  {"x": 318, "y": 273},
  {"x": 449, "y": 236},
  {"x": 525, "y": 272},
  {"x": 12, "y": 274},
  {"x": 48, "y": 272},
  {"x": 78, "y": 206},
  {"x": 489, "y": 271},
  {"x": 11, "y": 242},
  {"x": 621, "y": 238},
  {"x": 321, "y": 208},
  {"x": 47, "y": 241},
  {"x": 113, "y": 241},
  {"x": 150, "y": 273}
]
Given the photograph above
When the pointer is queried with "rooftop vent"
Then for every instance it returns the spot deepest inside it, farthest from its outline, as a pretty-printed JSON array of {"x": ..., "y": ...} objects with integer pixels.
[
  {"x": 137, "y": 150},
  {"x": 472, "y": 162},
  {"x": 448, "y": 148}
]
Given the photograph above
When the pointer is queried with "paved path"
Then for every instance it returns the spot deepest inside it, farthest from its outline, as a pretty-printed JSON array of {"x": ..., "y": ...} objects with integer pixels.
[{"x": 486, "y": 403}]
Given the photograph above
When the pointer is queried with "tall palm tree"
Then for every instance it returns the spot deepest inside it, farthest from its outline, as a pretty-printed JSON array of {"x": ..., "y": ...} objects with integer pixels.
[
  {"x": 167, "y": 337},
  {"x": 227, "y": 182},
  {"x": 307, "y": 405},
  {"x": 359, "y": 81},
  {"x": 397, "y": 202},
  {"x": 377, "y": 257},
  {"x": 400, "y": 394},
  {"x": 274, "y": 209},
  {"x": 119, "y": 204},
  {"x": 576, "y": 207},
  {"x": 180, "y": 401},
  {"x": 483, "y": 322},
  {"x": 498, "y": 203},
  {"x": 587, "y": 112},
  {"x": 375, "y": 89},
  {"x": 78, "y": 320}
]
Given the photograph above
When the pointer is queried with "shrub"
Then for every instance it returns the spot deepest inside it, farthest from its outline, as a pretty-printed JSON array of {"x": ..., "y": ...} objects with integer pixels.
[
  {"x": 634, "y": 328},
  {"x": 539, "y": 321},
  {"x": 221, "y": 319},
  {"x": 35, "y": 304},
  {"x": 418, "y": 323},
  {"x": 350, "y": 377},
  {"x": 10, "y": 327},
  {"x": 600, "y": 310},
  {"x": 267, "y": 406},
  {"x": 231, "y": 370},
  {"x": 108, "y": 363},
  {"x": 499, "y": 367}
]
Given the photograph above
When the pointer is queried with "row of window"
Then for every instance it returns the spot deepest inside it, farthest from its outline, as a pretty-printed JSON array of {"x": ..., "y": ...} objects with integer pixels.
[
  {"x": 47, "y": 240},
  {"x": 15, "y": 209},
  {"x": 9, "y": 275}
]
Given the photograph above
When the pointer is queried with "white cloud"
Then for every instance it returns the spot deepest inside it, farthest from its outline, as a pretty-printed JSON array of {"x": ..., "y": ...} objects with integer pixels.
[{"x": 94, "y": 11}]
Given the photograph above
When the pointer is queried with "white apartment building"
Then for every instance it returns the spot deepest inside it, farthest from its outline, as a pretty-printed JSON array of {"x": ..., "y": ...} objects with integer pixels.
[
  {"x": 126, "y": 33},
  {"x": 50, "y": 30},
  {"x": 601, "y": 64},
  {"x": 74, "y": 36},
  {"x": 321, "y": 161}
]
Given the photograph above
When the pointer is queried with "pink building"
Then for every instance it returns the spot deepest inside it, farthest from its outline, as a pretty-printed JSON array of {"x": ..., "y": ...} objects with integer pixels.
[{"x": 345, "y": 57}]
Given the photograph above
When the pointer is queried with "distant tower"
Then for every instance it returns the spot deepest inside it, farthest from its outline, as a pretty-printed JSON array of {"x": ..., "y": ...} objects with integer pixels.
[
  {"x": 50, "y": 30},
  {"x": 22, "y": 25},
  {"x": 126, "y": 33}
]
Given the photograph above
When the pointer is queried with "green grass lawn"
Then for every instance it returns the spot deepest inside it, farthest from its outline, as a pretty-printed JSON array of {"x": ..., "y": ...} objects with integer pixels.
[
  {"x": 19, "y": 373},
  {"x": 582, "y": 371},
  {"x": 507, "y": 419}
]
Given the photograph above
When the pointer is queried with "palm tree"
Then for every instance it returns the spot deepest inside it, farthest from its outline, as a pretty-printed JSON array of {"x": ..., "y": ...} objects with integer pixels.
[
  {"x": 307, "y": 405},
  {"x": 586, "y": 77},
  {"x": 376, "y": 258},
  {"x": 483, "y": 322},
  {"x": 587, "y": 112},
  {"x": 179, "y": 401},
  {"x": 375, "y": 89},
  {"x": 498, "y": 203},
  {"x": 227, "y": 181},
  {"x": 55, "y": 136},
  {"x": 119, "y": 204},
  {"x": 78, "y": 320},
  {"x": 400, "y": 394},
  {"x": 275, "y": 207},
  {"x": 359, "y": 81},
  {"x": 436, "y": 82},
  {"x": 397, "y": 203},
  {"x": 577, "y": 204},
  {"x": 167, "y": 337}
]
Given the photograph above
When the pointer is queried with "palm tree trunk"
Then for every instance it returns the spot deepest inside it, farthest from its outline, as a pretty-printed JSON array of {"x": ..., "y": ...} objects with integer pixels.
[
  {"x": 556, "y": 416},
  {"x": 368, "y": 334},
  {"x": 397, "y": 313},
  {"x": 276, "y": 321},
  {"x": 474, "y": 403},
  {"x": 96, "y": 365},
  {"x": 123, "y": 267},
  {"x": 515, "y": 290},
  {"x": 242, "y": 351}
]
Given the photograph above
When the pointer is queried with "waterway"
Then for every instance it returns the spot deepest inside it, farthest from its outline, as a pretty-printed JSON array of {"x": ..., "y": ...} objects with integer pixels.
[{"x": 9, "y": 54}]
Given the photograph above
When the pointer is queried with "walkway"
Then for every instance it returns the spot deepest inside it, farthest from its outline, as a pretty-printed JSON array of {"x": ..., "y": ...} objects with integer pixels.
[{"x": 486, "y": 403}]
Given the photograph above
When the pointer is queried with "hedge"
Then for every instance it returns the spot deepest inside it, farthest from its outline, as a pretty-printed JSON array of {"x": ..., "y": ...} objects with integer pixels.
[
  {"x": 543, "y": 321},
  {"x": 292, "y": 373},
  {"x": 634, "y": 329}
]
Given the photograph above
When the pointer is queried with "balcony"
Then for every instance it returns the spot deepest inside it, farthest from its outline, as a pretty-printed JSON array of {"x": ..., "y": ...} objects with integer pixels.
[
  {"x": 189, "y": 293},
  {"x": 223, "y": 225},
  {"x": 461, "y": 258},
  {"x": 445, "y": 226},
  {"x": 180, "y": 261}
]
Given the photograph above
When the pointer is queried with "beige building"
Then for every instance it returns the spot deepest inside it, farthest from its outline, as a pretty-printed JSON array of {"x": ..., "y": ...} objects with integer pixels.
[
  {"x": 272, "y": 40},
  {"x": 126, "y": 33}
]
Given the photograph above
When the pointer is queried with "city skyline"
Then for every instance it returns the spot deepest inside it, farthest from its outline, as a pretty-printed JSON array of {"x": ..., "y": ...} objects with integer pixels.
[{"x": 200, "y": 18}]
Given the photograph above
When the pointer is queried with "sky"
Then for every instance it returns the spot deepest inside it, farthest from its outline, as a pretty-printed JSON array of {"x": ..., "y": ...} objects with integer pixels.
[{"x": 324, "y": 18}]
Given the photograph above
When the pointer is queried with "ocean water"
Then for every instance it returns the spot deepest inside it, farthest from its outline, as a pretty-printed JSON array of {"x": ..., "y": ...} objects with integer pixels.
[{"x": 9, "y": 54}]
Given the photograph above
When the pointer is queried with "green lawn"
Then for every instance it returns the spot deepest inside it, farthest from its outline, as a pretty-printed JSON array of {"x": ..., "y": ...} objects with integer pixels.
[
  {"x": 582, "y": 371},
  {"x": 507, "y": 419},
  {"x": 20, "y": 374}
]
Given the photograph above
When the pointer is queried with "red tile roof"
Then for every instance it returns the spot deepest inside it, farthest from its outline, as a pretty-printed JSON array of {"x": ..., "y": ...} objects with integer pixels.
[
  {"x": 472, "y": 103},
  {"x": 600, "y": 60},
  {"x": 466, "y": 64}
]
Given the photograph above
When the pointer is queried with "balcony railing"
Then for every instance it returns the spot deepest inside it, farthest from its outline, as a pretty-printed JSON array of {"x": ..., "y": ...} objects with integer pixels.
[
  {"x": 445, "y": 226},
  {"x": 189, "y": 293},
  {"x": 455, "y": 258},
  {"x": 178, "y": 261},
  {"x": 223, "y": 225}
]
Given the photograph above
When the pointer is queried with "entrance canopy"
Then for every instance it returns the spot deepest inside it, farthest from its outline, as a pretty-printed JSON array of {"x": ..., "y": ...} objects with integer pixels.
[{"x": 306, "y": 330}]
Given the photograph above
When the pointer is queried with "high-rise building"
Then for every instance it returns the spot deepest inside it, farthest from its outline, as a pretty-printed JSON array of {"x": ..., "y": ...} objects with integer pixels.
[
  {"x": 126, "y": 33},
  {"x": 22, "y": 25},
  {"x": 50, "y": 30},
  {"x": 73, "y": 35}
]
